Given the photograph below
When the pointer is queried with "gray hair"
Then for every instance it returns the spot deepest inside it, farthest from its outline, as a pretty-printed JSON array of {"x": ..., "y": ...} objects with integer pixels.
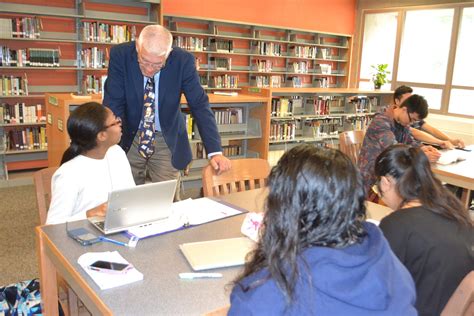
[{"x": 155, "y": 39}]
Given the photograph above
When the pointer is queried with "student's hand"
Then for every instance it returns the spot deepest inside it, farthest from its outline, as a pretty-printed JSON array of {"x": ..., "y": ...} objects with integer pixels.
[
  {"x": 97, "y": 211},
  {"x": 446, "y": 144},
  {"x": 457, "y": 142},
  {"x": 431, "y": 152},
  {"x": 220, "y": 163}
]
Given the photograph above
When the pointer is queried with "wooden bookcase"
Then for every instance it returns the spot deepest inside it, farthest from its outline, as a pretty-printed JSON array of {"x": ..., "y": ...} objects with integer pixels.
[
  {"x": 232, "y": 55},
  {"x": 315, "y": 115},
  {"x": 60, "y": 47},
  {"x": 246, "y": 138}
]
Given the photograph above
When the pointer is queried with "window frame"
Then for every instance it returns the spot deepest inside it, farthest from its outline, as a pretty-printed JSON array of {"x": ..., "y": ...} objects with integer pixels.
[{"x": 455, "y": 32}]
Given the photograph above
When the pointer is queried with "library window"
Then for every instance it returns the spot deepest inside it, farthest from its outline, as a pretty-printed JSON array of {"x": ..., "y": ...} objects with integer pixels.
[
  {"x": 434, "y": 54},
  {"x": 425, "y": 46},
  {"x": 380, "y": 31}
]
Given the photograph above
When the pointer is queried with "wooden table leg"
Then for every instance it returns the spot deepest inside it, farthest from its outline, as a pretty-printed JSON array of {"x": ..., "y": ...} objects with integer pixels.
[
  {"x": 466, "y": 198},
  {"x": 48, "y": 282}
]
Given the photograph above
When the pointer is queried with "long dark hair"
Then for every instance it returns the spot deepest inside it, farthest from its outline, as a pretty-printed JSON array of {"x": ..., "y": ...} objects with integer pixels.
[
  {"x": 411, "y": 169},
  {"x": 316, "y": 198},
  {"x": 83, "y": 125}
]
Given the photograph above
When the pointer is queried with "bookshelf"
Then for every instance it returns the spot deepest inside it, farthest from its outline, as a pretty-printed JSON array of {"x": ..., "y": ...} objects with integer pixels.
[
  {"x": 60, "y": 47},
  {"x": 232, "y": 55},
  {"x": 242, "y": 127},
  {"x": 315, "y": 115}
]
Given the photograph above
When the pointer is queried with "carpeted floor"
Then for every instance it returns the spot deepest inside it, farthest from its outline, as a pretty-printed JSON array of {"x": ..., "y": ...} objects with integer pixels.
[{"x": 18, "y": 218}]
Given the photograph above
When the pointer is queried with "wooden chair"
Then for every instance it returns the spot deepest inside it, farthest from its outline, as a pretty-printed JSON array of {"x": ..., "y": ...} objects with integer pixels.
[
  {"x": 245, "y": 174},
  {"x": 461, "y": 302},
  {"x": 42, "y": 181},
  {"x": 350, "y": 143}
]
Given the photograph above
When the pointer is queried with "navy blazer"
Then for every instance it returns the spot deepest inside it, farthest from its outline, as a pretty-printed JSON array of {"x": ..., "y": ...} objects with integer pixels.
[{"x": 123, "y": 93}]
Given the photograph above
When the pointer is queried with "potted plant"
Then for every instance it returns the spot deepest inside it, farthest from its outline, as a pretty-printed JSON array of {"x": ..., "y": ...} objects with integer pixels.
[{"x": 379, "y": 78}]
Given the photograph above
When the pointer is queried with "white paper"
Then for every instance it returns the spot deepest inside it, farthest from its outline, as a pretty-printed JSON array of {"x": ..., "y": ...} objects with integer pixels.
[
  {"x": 108, "y": 280},
  {"x": 451, "y": 155},
  {"x": 184, "y": 213}
]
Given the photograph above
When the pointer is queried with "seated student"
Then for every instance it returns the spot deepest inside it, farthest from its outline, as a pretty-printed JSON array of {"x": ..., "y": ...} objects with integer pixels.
[
  {"x": 422, "y": 131},
  {"x": 431, "y": 233},
  {"x": 389, "y": 128},
  {"x": 316, "y": 255},
  {"x": 91, "y": 167}
]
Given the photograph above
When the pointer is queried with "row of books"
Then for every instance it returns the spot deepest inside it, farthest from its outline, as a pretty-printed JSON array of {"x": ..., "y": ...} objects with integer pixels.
[
  {"x": 357, "y": 123},
  {"x": 303, "y": 51},
  {"x": 27, "y": 138},
  {"x": 225, "y": 81},
  {"x": 282, "y": 130},
  {"x": 229, "y": 116},
  {"x": 273, "y": 81},
  {"x": 324, "y": 69},
  {"x": 93, "y": 57},
  {"x": 21, "y": 113},
  {"x": 266, "y": 48},
  {"x": 229, "y": 150},
  {"x": 13, "y": 85},
  {"x": 263, "y": 65},
  {"x": 92, "y": 84},
  {"x": 189, "y": 43},
  {"x": 222, "y": 45},
  {"x": 221, "y": 63},
  {"x": 108, "y": 33},
  {"x": 299, "y": 66},
  {"x": 30, "y": 57},
  {"x": 323, "y": 105},
  {"x": 322, "y": 82},
  {"x": 364, "y": 104},
  {"x": 322, "y": 127},
  {"x": 21, "y": 27},
  {"x": 283, "y": 107}
]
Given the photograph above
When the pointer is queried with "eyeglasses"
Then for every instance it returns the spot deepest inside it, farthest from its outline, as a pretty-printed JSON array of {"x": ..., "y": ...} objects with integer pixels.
[
  {"x": 118, "y": 121},
  {"x": 154, "y": 66},
  {"x": 412, "y": 120}
]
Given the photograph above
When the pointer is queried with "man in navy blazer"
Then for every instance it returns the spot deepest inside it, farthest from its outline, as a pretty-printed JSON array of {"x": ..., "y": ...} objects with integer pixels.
[{"x": 174, "y": 72}]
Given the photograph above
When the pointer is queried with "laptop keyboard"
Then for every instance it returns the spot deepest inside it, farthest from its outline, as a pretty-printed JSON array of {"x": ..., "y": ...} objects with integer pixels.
[{"x": 100, "y": 224}]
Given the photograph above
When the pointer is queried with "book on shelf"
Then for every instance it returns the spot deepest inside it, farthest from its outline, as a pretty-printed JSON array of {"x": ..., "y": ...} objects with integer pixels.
[
  {"x": 93, "y": 57},
  {"x": 108, "y": 33},
  {"x": 303, "y": 51},
  {"x": 20, "y": 113},
  {"x": 189, "y": 43},
  {"x": 26, "y": 138},
  {"x": 21, "y": 27},
  {"x": 229, "y": 116},
  {"x": 266, "y": 48},
  {"x": 199, "y": 152},
  {"x": 221, "y": 63},
  {"x": 13, "y": 85},
  {"x": 225, "y": 81}
]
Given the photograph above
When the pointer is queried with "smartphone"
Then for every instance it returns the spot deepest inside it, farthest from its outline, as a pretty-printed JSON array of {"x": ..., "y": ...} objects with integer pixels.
[
  {"x": 83, "y": 236},
  {"x": 110, "y": 267}
]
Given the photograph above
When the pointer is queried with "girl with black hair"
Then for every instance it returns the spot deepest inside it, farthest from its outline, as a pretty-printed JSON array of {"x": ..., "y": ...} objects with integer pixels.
[
  {"x": 316, "y": 255},
  {"x": 431, "y": 232},
  {"x": 91, "y": 167}
]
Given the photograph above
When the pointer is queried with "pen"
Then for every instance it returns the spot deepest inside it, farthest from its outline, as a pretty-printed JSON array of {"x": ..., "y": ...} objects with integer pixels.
[
  {"x": 197, "y": 275},
  {"x": 464, "y": 149},
  {"x": 102, "y": 238}
]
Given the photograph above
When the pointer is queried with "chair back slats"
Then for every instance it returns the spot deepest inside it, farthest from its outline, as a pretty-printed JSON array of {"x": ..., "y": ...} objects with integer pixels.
[
  {"x": 42, "y": 181},
  {"x": 245, "y": 174},
  {"x": 350, "y": 143}
]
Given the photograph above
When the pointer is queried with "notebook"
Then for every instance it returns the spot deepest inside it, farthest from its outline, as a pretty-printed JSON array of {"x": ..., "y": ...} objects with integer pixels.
[
  {"x": 217, "y": 253},
  {"x": 136, "y": 206}
]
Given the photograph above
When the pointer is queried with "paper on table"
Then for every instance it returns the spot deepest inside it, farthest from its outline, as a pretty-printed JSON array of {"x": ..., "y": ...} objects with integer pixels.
[
  {"x": 108, "y": 280},
  {"x": 449, "y": 156},
  {"x": 184, "y": 213}
]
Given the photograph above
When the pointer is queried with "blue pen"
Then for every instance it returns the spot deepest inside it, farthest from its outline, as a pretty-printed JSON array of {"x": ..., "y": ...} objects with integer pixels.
[{"x": 102, "y": 238}]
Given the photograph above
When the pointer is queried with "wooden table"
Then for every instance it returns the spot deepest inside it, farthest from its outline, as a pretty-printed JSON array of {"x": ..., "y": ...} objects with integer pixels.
[
  {"x": 158, "y": 258},
  {"x": 460, "y": 174}
]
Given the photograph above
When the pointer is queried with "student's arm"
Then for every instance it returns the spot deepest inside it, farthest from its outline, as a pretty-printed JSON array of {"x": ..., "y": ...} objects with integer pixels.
[
  {"x": 427, "y": 138},
  {"x": 442, "y": 136}
]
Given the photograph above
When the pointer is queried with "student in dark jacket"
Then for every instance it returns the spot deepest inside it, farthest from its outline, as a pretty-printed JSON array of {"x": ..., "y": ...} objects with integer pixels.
[
  {"x": 431, "y": 233},
  {"x": 316, "y": 255}
]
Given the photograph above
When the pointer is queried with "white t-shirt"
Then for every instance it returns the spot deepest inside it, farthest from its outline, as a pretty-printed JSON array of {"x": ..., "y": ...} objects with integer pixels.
[{"x": 84, "y": 183}]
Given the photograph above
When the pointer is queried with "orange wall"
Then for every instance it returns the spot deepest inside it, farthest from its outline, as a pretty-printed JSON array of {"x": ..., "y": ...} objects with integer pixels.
[{"x": 334, "y": 16}]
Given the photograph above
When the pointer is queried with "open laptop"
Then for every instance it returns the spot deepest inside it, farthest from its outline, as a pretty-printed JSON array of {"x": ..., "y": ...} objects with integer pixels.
[{"x": 136, "y": 206}]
